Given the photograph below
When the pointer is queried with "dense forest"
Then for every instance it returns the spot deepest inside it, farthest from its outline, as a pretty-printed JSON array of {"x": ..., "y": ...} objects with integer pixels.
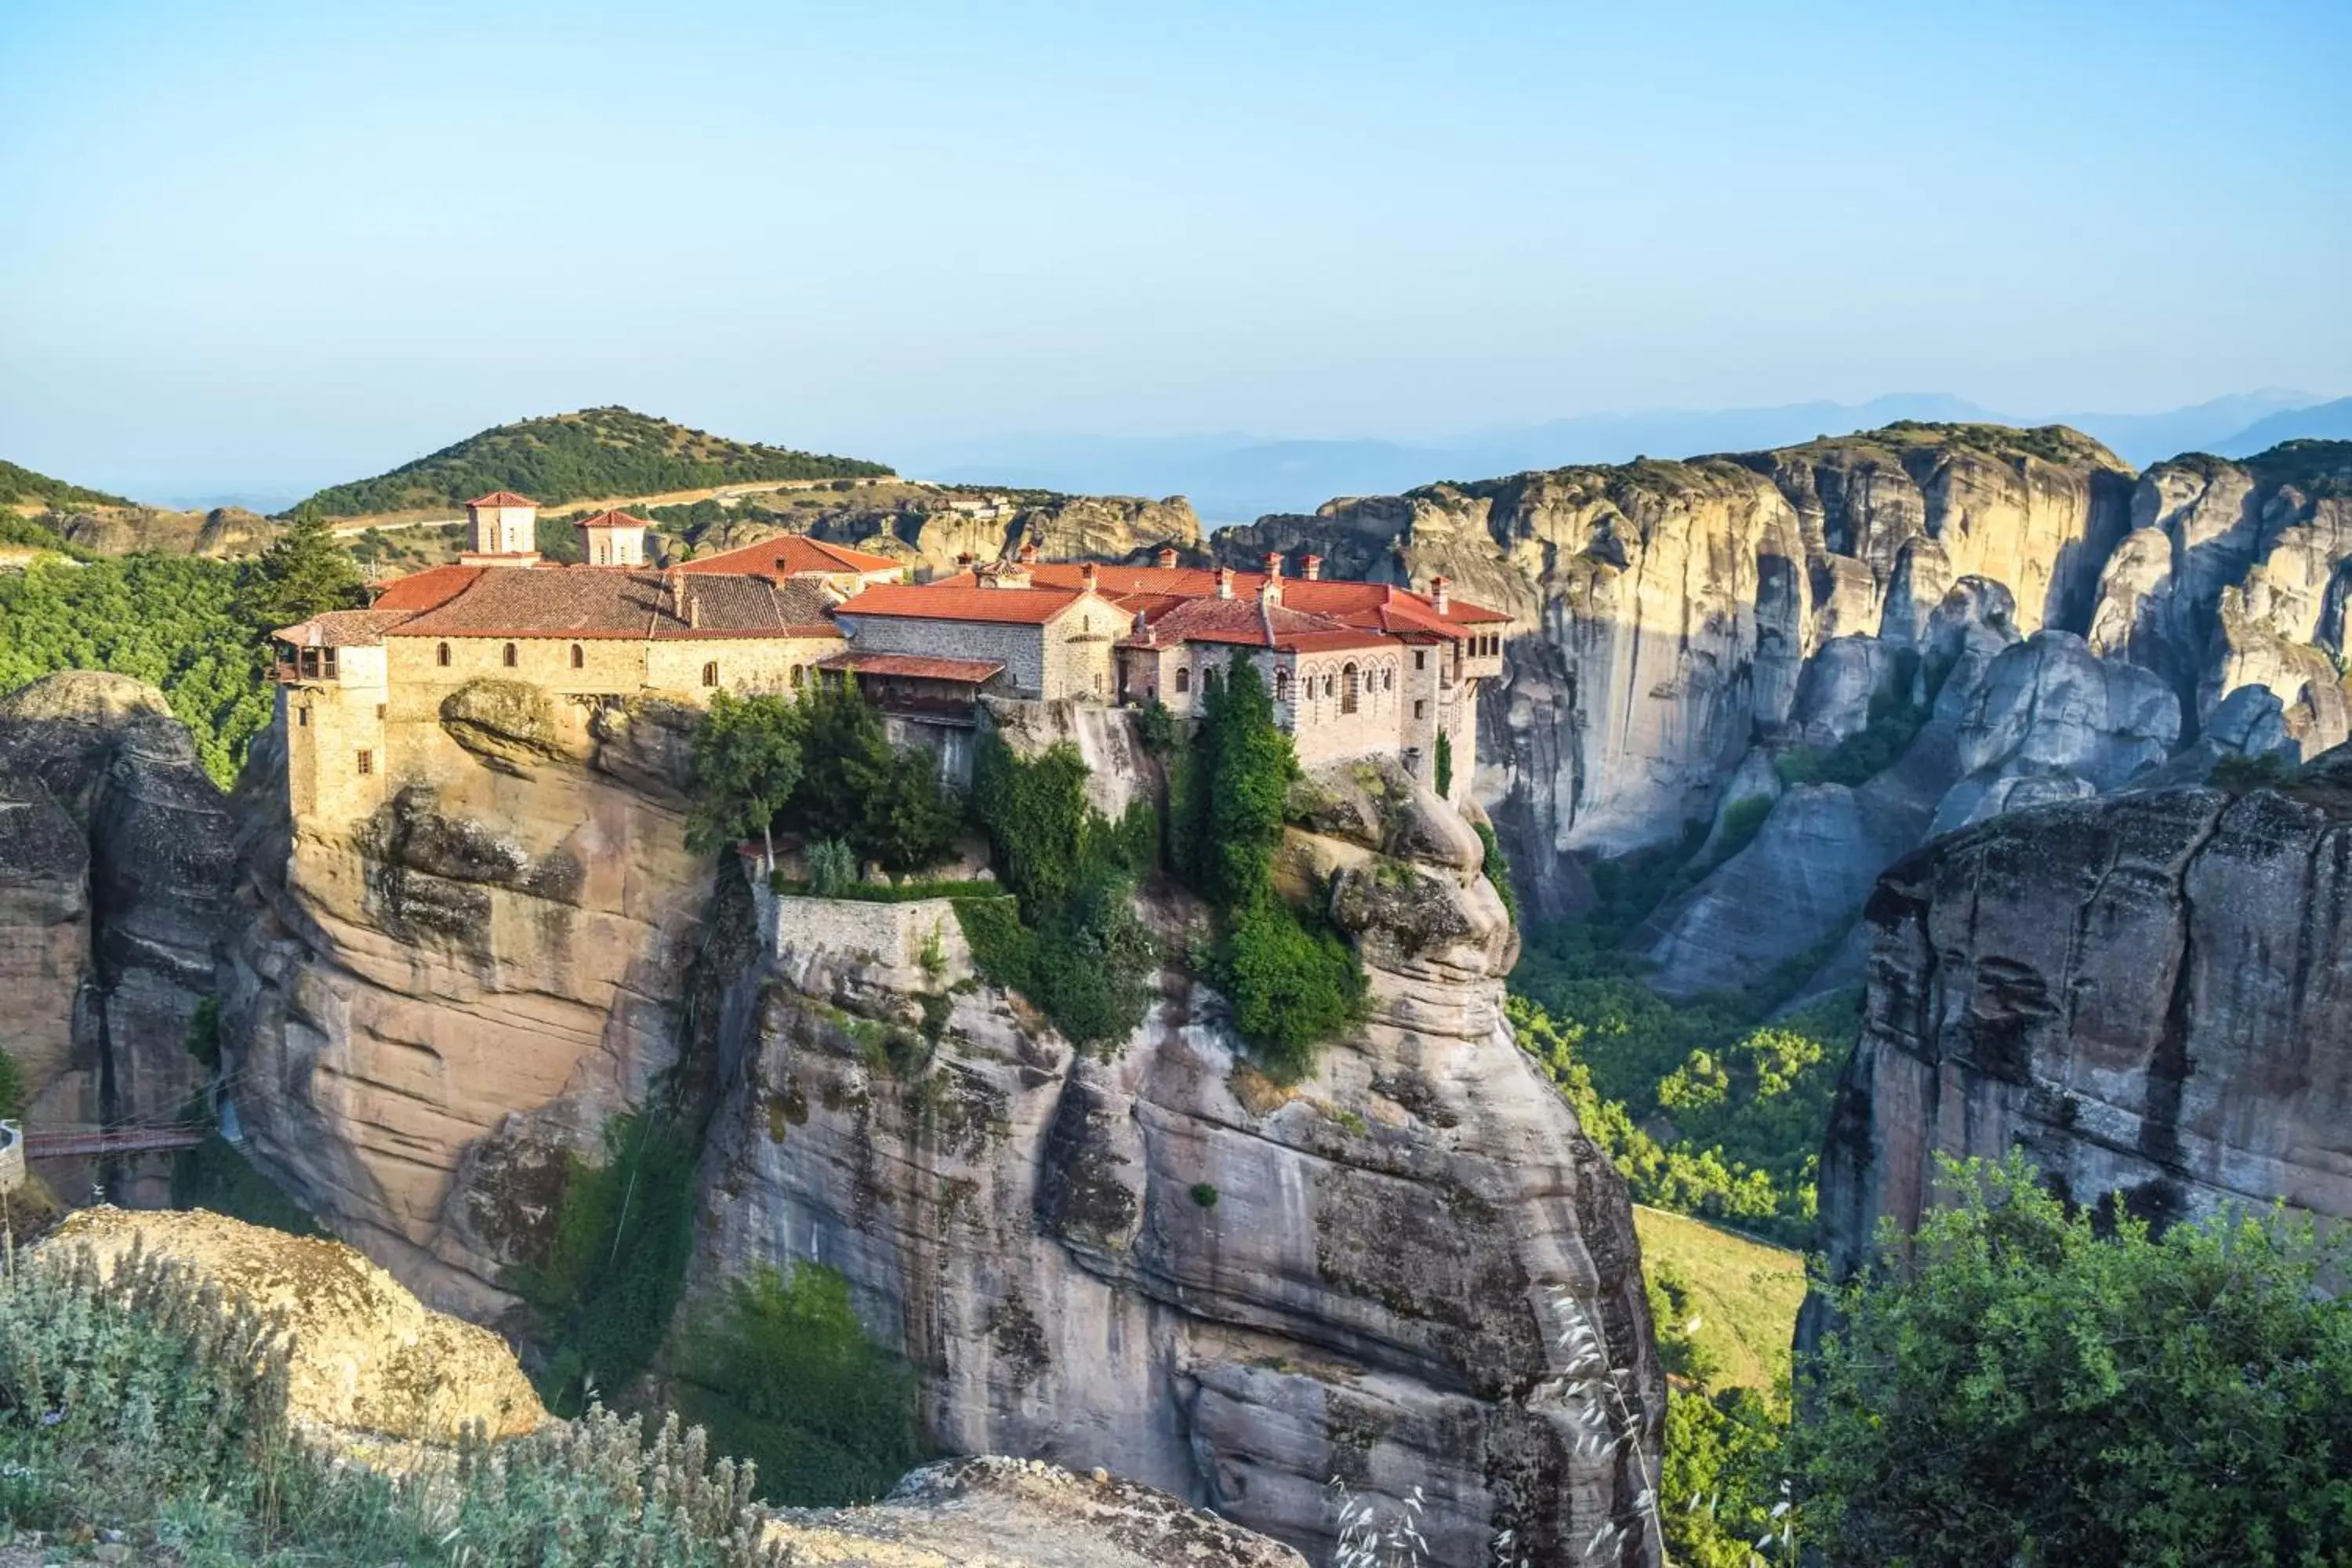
[
  {"x": 172, "y": 621},
  {"x": 24, "y": 485},
  {"x": 596, "y": 452}
]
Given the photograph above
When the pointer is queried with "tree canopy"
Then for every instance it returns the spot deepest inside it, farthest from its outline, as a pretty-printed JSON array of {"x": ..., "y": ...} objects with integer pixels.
[
  {"x": 747, "y": 762},
  {"x": 2044, "y": 1384},
  {"x": 305, "y": 572}
]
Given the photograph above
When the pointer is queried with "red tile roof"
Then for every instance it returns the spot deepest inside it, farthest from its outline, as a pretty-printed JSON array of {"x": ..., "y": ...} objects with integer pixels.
[
  {"x": 600, "y": 602},
  {"x": 965, "y": 671},
  {"x": 959, "y": 600},
  {"x": 341, "y": 629},
  {"x": 795, "y": 555},
  {"x": 611, "y": 520},
  {"x": 1249, "y": 623},
  {"x": 502, "y": 498},
  {"x": 424, "y": 590},
  {"x": 1381, "y": 604}
]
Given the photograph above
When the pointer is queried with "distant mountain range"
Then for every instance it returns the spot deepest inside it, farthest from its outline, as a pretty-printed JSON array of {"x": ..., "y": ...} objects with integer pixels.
[{"x": 1236, "y": 478}]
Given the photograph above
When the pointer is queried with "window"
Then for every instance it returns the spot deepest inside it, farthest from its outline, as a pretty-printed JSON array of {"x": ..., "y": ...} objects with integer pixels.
[
  {"x": 800, "y": 675},
  {"x": 710, "y": 673},
  {"x": 441, "y": 655},
  {"x": 366, "y": 761},
  {"x": 1420, "y": 658},
  {"x": 1330, "y": 683},
  {"x": 302, "y": 718},
  {"x": 1282, "y": 686},
  {"x": 1420, "y": 707},
  {"x": 1387, "y": 680},
  {"x": 1183, "y": 680},
  {"x": 1349, "y": 682},
  {"x": 579, "y": 656},
  {"x": 511, "y": 659}
]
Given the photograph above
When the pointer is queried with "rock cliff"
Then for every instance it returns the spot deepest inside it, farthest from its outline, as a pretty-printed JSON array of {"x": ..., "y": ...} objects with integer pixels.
[
  {"x": 1668, "y": 613},
  {"x": 2147, "y": 994},
  {"x": 115, "y": 860},
  {"x": 1164, "y": 1264},
  {"x": 426, "y": 1011}
]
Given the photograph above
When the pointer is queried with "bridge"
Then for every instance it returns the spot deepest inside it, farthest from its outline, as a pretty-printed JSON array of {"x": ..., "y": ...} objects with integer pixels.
[{"x": 72, "y": 1142}]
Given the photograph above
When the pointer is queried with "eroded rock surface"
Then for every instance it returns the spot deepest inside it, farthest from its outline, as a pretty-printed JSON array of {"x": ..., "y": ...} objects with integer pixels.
[
  {"x": 426, "y": 1010},
  {"x": 1166, "y": 1265},
  {"x": 2152, "y": 994},
  {"x": 367, "y": 1356},
  {"x": 115, "y": 868}
]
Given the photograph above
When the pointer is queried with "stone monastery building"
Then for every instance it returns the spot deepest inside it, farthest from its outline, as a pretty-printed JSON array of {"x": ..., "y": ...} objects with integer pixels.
[{"x": 1356, "y": 668}]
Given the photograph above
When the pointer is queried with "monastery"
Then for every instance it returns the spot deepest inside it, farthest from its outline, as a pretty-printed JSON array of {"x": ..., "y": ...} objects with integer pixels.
[{"x": 1356, "y": 668}]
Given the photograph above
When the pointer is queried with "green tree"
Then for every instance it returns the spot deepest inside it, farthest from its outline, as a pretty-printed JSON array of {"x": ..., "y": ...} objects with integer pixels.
[
  {"x": 784, "y": 1373},
  {"x": 889, "y": 805},
  {"x": 304, "y": 572},
  {"x": 11, "y": 1088},
  {"x": 2045, "y": 1386},
  {"x": 1444, "y": 765},
  {"x": 747, "y": 762}
]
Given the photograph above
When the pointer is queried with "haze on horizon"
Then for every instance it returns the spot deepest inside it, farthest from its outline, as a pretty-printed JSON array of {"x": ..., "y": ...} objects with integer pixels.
[{"x": 262, "y": 246}]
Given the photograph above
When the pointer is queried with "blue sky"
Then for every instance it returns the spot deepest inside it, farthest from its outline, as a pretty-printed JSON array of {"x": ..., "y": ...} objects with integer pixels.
[{"x": 270, "y": 244}]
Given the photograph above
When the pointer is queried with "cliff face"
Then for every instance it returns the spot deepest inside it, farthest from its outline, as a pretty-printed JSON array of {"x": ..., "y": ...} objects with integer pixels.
[
  {"x": 422, "y": 1012},
  {"x": 1668, "y": 613},
  {"x": 115, "y": 856},
  {"x": 2146, "y": 994},
  {"x": 1163, "y": 1265}
]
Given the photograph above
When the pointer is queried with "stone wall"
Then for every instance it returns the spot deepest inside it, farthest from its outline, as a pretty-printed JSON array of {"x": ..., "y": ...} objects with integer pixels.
[
  {"x": 1069, "y": 657},
  {"x": 916, "y": 946}
]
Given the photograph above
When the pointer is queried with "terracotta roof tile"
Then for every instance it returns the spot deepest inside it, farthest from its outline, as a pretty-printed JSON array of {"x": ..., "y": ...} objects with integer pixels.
[
  {"x": 502, "y": 498},
  {"x": 611, "y": 520},
  {"x": 794, "y": 555},
  {"x": 1249, "y": 623},
  {"x": 954, "y": 600},
  {"x": 341, "y": 629},
  {"x": 422, "y": 590},
  {"x": 594, "y": 602}
]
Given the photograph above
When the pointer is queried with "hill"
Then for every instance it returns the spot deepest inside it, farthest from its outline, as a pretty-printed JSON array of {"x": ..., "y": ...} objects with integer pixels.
[
  {"x": 2325, "y": 422},
  {"x": 596, "y": 452},
  {"x": 19, "y": 485}
]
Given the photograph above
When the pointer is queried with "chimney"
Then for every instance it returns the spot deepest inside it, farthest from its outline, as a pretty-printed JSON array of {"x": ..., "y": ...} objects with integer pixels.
[
  {"x": 1224, "y": 581},
  {"x": 1311, "y": 568},
  {"x": 1269, "y": 589},
  {"x": 1087, "y": 577},
  {"x": 1167, "y": 557},
  {"x": 963, "y": 561},
  {"x": 1028, "y": 552},
  {"x": 1437, "y": 595}
]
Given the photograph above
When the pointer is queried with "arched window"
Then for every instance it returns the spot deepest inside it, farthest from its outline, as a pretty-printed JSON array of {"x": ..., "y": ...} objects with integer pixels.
[
  {"x": 510, "y": 655},
  {"x": 1327, "y": 682},
  {"x": 800, "y": 675},
  {"x": 1282, "y": 686},
  {"x": 579, "y": 656},
  {"x": 1183, "y": 678},
  {"x": 441, "y": 655},
  {"x": 710, "y": 673},
  {"x": 1388, "y": 680},
  {"x": 1348, "y": 684}
]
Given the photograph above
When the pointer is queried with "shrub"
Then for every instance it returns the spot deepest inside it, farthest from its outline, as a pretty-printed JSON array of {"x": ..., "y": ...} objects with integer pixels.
[
  {"x": 604, "y": 1294},
  {"x": 889, "y": 805},
  {"x": 1291, "y": 986},
  {"x": 1204, "y": 1193},
  {"x": 1158, "y": 729},
  {"x": 204, "y": 1031},
  {"x": 832, "y": 867},
  {"x": 1444, "y": 765},
  {"x": 2046, "y": 1385},
  {"x": 1498, "y": 870},
  {"x": 783, "y": 1373},
  {"x": 11, "y": 1088}
]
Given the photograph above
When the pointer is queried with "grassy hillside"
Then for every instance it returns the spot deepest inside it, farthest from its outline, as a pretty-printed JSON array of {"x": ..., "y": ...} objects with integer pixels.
[
  {"x": 19, "y": 486},
  {"x": 1739, "y": 1298},
  {"x": 595, "y": 452}
]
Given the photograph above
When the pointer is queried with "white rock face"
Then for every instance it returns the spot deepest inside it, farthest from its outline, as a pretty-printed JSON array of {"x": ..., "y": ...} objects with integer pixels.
[{"x": 1165, "y": 1265}]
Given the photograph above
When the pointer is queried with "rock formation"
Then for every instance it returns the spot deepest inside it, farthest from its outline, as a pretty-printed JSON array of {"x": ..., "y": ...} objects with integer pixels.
[
  {"x": 1165, "y": 1265},
  {"x": 115, "y": 858},
  {"x": 2147, "y": 994},
  {"x": 366, "y": 1356},
  {"x": 425, "y": 1014}
]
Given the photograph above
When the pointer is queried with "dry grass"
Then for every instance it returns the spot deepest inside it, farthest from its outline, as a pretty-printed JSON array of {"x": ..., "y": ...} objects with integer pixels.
[{"x": 1746, "y": 1294}]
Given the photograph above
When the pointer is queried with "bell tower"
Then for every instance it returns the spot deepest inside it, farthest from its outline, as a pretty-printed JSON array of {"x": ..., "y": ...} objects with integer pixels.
[{"x": 505, "y": 531}]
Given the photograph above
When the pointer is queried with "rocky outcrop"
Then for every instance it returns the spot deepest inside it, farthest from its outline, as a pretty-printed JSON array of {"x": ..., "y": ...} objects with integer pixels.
[
  {"x": 1164, "y": 1264},
  {"x": 1017, "y": 1513},
  {"x": 426, "y": 1011},
  {"x": 2147, "y": 994},
  {"x": 115, "y": 868},
  {"x": 1670, "y": 615},
  {"x": 365, "y": 1356}
]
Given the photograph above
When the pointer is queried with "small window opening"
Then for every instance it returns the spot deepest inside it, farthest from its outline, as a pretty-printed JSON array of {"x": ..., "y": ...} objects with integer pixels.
[
  {"x": 710, "y": 673},
  {"x": 579, "y": 656},
  {"x": 441, "y": 655},
  {"x": 510, "y": 657}
]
